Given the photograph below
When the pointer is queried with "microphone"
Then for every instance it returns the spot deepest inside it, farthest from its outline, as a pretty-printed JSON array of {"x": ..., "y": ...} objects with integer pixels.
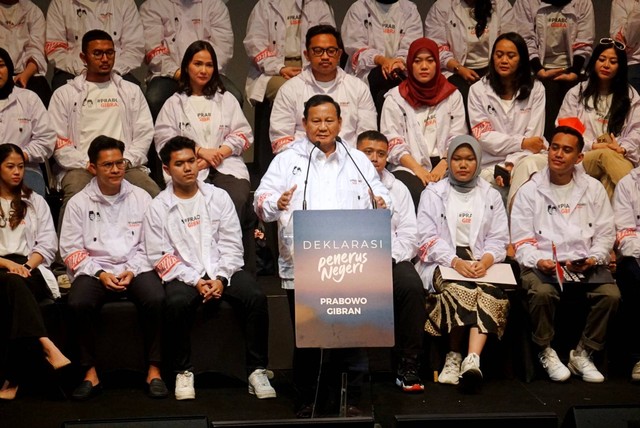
[
  {"x": 304, "y": 194},
  {"x": 374, "y": 205}
]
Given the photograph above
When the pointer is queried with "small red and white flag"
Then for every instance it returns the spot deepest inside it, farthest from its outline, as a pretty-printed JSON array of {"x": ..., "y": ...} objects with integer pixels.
[{"x": 559, "y": 270}]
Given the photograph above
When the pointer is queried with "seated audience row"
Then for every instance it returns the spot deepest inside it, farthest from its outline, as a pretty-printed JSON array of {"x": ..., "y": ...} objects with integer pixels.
[
  {"x": 471, "y": 220},
  {"x": 506, "y": 160},
  {"x": 602, "y": 108},
  {"x": 115, "y": 242}
]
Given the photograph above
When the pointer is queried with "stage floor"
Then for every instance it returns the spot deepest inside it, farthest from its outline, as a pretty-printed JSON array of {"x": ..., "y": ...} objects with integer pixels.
[{"x": 223, "y": 399}]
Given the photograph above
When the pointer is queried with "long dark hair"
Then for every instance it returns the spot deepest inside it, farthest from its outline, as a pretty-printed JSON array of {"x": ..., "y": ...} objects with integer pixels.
[
  {"x": 8, "y": 86},
  {"x": 557, "y": 3},
  {"x": 523, "y": 77},
  {"x": 620, "y": 101},
  {"x": 18, "y": 205},
  {"x": 214, "y": 84},
  {"x": 482, "y": 11}
]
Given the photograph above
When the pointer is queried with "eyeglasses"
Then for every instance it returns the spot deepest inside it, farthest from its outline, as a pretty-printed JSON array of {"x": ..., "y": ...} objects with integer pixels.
[
  {"x": 331, "y": 51},
  {"x": 119, "y": 164},
  {"x": 97, "y": 54},
  {"x": 609, "y": 41}
]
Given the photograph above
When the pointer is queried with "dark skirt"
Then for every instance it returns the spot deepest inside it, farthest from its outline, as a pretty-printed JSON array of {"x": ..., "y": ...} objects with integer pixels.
[{"x": 466, "y": 304}]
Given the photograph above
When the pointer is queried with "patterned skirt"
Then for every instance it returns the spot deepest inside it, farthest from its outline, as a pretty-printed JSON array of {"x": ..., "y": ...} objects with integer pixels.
[{"x": 466, "y": 304}]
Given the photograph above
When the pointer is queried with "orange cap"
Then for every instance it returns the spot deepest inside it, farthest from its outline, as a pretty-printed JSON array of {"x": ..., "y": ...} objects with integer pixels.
[{"x": 572, "y": 122}]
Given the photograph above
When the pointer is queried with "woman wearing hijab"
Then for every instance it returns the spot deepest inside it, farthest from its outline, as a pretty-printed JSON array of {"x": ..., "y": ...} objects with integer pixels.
[
  {"x": 462, "y": 224},
  {"x": 24, "y": 121},
  {"x": 419, "y": 118}
]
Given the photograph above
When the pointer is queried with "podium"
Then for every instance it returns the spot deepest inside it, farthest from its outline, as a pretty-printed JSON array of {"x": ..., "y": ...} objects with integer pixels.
[{"x": 343, "y": 278}]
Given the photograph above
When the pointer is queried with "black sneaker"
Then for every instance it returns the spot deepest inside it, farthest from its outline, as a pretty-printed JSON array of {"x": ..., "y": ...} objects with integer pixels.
[{"x": 407, "y": 377}]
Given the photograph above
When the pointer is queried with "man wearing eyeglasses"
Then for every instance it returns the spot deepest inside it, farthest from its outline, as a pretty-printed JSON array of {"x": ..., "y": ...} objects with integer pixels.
[
  {"x": 99, "y": 102},
  {"x": 101, "y": 245},
  {"x": 322, "y": 76}
]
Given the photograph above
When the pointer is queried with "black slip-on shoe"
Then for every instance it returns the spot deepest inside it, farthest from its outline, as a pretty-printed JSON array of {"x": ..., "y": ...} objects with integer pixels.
[
  {"x": 85, "y": 391},
  {"x": 157, "y": 388}
]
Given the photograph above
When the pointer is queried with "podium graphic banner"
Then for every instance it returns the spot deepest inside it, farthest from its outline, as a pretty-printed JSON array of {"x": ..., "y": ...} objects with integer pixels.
[{"x": 343, "y": 282}]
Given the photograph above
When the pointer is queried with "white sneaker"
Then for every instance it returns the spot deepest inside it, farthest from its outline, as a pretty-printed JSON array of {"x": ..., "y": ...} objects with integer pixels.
[
  {"x": 450, "y": 373},
  {"x": 581, "y": 365},
  {"x": 470, "y": 368},
  {"x": 259, "y": 384},
  {"x": 557, "y": 371},
  {"x": 184, "y": 386},
  {"x": 635, "y": 373}
]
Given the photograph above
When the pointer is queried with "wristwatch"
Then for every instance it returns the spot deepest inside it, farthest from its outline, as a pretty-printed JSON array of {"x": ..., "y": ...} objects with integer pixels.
[
  {"x": 97, "y": 274},
  {"x": 223, "y": 280}
]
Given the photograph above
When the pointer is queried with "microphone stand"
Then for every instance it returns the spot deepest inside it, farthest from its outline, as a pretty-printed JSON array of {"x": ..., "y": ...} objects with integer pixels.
[
  {"x": 304, "y": 193},
  {"x": 374, "y": 205}
]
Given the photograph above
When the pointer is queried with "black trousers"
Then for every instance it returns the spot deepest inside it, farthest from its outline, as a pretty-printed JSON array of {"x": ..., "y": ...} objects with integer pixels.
[
  {"x": 307, "y": 363},
  {"x": 246, "y": 298},
  {"x": 240, "y": 192},
  {"x": 87, "y": 296},
  {"x": 628, "y": 280},
  {"x": 409, "y": 310},
  {"x": 21, "y": 323}
]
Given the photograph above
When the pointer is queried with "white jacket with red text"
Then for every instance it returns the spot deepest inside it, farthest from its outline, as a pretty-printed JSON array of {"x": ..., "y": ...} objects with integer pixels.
[
  {"x": 24, "y": 39},
  {"x": 68, "y": 20},
  {"x": 400, "y": 125},
  {"x": 289, "y": 168},
  {"x": 625, "y": 27},
  {"x": 531, "y": 17},
  {"x": 65, "y": 112},
  {"x": 404, "y": 229},
  {"x": 97, "y": 234},
  {"x": 436, "y": 232},
  {"x": 171, "y": 251},
  {"x": 229, "y": 127},
  {"x": 626, "y": 207},
  {"x": 24, "y": 121},
  {"x": 164, "y": 23},
  {"x": 265, "y": 40},
  {"x": 444, "y": 25},
  {"x": 500, "y": 133},
  {"x": 353, "y": 95},
  {"x": 629, "y": 137},
  {"x": 364, "y": 34},
  {"x": 586, "y": 230}
]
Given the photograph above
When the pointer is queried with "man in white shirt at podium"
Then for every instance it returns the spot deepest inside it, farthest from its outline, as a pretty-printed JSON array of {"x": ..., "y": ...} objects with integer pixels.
[{"x": 317, "y": 172}]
